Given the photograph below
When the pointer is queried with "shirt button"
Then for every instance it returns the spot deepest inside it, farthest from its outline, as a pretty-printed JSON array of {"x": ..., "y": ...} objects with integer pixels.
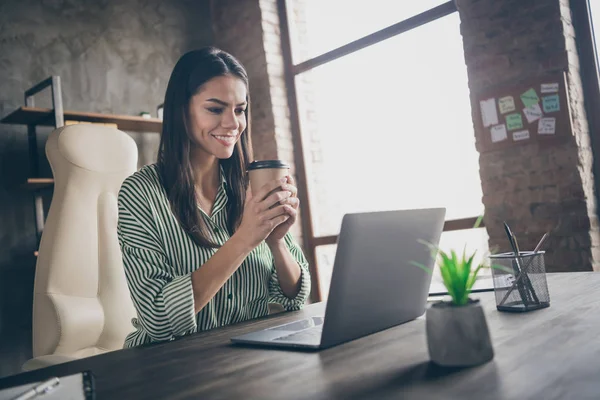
[
  {"x": 230, "y": 296},
  {"x": 216, "y": 229}
]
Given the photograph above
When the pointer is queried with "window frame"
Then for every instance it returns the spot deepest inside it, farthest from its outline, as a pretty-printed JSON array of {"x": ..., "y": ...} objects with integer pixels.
[
  {"x": 291, "y": 70},
  {"x": 589, "y": 70}
]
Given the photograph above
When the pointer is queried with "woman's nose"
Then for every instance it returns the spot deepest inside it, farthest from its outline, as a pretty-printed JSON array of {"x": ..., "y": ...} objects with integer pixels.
[{"x": 229, "y": 121}]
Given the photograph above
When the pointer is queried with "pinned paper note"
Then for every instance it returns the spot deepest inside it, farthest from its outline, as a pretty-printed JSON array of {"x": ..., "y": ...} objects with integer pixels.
[
  {"x": 520, "y": 135},
  {"x": 488, "y": 112},
  {"x": 549, "y": 88},
  {"x": 514, "y": 121},
  {"x": 551, "y": 103},
  {"x": 498, "y": 133},
  {"x": 506, "y": 104},
  {"x": 547, "y": 126},
  {"x": 533, "y": 113},
  {"x": 529, "y": 98}
]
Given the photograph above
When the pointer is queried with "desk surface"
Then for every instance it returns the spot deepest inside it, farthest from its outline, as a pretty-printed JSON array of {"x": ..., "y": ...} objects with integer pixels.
[{"x": 552, "y": 353}]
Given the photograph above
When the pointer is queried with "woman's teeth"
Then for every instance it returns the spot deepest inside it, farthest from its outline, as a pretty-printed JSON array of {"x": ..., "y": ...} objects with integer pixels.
[{"x": 227, "y": 139}]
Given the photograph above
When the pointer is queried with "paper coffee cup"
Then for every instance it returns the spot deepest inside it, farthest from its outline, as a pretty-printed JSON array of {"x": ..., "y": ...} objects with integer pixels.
[{"x": 262, "y": 172}]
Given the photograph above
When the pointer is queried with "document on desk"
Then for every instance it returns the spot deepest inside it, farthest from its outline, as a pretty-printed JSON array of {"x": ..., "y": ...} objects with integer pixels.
[{"x": 71, "y": 387}]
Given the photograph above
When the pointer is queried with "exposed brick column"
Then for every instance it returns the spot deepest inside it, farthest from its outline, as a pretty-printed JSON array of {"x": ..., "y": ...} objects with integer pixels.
[
  {"x": 249, "y": 30},
  {"x": 535, "y": 189}
]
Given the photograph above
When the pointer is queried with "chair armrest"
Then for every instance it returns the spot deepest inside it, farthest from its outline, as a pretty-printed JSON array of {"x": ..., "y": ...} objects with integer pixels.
[{"x": 46, "y": 361}]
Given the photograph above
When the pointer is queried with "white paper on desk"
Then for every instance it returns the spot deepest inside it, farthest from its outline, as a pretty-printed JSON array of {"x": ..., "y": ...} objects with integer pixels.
[
  {"x": 489, "y": 115},
  {"x": 70, "y": 388}
]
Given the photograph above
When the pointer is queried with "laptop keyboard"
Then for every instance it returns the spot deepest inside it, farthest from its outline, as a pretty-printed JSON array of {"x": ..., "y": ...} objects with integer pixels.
[
  {"x": 311, "y": 335},
  {"x": 299, "y": 325}
]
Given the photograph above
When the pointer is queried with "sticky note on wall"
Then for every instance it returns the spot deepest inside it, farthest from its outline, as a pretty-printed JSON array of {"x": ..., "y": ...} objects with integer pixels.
[
  {"x": 549, "y": 87},
  {"x": 520, "y": 135},
  {"x": 514, "y": 121},
  {"x": 547, "y": 126},
  {"x": 498, "y": 133},
  {"x": 506, "y": 104},
  {"x": 551, "y": 103},
  {"x": 529, "y": 98},
  {"x": 489, "y": 116},
  {"x": 533, "y": 113}
]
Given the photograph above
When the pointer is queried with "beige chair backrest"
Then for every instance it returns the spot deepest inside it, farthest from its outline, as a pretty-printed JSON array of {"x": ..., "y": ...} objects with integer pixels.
[{"x": 82, "y": 305}]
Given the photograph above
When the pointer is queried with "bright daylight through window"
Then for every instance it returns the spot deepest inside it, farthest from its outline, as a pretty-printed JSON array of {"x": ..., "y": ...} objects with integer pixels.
[{"x": 389, "y": 126}]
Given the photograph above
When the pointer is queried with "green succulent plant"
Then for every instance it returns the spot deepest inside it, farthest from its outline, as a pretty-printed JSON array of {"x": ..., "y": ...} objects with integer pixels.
[{"x": 459, "y": 273}]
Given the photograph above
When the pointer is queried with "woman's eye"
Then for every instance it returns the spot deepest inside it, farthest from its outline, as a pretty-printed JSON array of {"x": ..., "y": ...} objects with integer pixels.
[
  {"x": 215, "y": 110},
  {"x": 239, "y": 111}
]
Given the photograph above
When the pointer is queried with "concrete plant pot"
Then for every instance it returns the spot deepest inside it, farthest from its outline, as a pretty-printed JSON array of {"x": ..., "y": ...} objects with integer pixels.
[{"x": 458, "y": 336}]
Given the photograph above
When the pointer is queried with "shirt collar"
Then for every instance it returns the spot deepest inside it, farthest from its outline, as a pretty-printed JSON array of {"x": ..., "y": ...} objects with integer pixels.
[
  {"x": 224, "y": 183},
  {"x": 222, "y": 198}
]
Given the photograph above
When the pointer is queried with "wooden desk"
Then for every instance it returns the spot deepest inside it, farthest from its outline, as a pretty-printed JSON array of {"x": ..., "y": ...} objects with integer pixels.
[{"x": 552, "y": 353}]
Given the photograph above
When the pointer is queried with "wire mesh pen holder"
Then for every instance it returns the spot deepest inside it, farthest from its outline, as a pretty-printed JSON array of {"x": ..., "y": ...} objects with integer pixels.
[{"x": 520, "y": 281}]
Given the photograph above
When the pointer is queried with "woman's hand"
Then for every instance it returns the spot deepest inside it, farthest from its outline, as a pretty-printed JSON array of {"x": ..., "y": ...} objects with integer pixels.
[
  {"x": 263, "y": 213},
  {"x": 290, "y": 206}
]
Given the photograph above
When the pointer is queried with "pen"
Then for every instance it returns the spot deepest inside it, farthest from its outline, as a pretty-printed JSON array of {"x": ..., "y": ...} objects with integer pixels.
[
  {"x": 516, "y": 265},
  {"x": 539, "y": 245},
  {"x": 39, "y": 390},
  {"x": 525, "y": 276},
  {"x": 525, "y": 268}
]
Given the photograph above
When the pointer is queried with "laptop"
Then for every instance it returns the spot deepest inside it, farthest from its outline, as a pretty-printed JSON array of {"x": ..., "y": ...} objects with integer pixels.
[{"x": 373, "y": 287}]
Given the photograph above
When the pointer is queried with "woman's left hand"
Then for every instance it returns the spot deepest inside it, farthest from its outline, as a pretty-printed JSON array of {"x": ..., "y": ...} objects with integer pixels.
[{"x": 291, "y": 208}]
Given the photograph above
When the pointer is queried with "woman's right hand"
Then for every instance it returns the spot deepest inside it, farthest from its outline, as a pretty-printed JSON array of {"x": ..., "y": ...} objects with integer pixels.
[{"x": 258, "y": 218}]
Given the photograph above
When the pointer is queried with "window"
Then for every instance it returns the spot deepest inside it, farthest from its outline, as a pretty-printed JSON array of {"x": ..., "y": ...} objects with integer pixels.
[
  {"x": 388, "y": 126},
  {"x": 327, "y": 24}
]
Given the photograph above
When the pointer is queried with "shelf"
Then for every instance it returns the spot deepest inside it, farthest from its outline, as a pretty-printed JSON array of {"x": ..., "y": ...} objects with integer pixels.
[
  {"x": 38, "y": 183},
  {"x": 45, "y": 117}
]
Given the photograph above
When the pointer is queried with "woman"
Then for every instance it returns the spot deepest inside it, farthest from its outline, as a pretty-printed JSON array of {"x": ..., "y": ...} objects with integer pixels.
[{"x": 199, "y": 250}]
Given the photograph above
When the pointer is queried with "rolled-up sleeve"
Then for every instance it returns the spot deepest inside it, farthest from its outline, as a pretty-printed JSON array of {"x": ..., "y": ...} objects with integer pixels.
[
  {"x": 164, "y": 302},
  {"x": 276, "y": 295}
]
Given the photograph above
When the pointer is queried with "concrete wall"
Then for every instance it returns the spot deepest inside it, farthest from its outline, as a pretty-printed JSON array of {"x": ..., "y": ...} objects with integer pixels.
[{"x": 112, "y": 57}]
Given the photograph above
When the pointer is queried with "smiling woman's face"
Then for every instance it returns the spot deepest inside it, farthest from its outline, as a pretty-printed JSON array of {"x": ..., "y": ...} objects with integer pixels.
[{"x": 216, "y": 116}]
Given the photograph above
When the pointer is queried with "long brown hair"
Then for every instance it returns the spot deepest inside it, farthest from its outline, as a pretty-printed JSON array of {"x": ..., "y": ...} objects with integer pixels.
[{"x": 191, "y": 71}]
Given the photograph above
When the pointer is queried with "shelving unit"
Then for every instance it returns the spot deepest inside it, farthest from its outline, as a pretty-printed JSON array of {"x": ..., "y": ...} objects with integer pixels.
[
  {"x": 38, "y": 183},
  {"x": 45, "y": 117},
  {"x": 56, "y": 117}
]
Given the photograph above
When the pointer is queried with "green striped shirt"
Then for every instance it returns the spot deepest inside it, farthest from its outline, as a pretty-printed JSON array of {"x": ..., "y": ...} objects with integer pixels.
[{"x": 159, "y": 257}]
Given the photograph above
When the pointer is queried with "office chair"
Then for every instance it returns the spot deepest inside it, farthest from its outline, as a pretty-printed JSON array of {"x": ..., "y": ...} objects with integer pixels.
[{"x": 81, "y": 304}]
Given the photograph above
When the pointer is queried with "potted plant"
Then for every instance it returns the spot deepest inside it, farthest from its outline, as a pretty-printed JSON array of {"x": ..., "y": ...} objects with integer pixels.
[{"x": 457, "y": 332}]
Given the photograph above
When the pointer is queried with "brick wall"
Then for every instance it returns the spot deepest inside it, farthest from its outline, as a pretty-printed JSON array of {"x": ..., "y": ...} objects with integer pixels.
[
  {"x": 534, "y": 189},
  {"x": 237, "y": 29},
  {"x": 249, "y": 30}
]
